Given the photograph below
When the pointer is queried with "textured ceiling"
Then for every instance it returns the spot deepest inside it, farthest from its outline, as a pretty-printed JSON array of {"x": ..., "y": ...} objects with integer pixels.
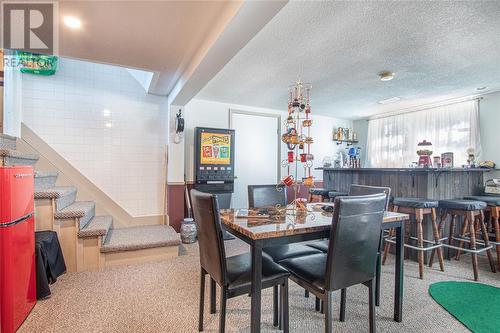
[
  {"x": 161, "y": 36},
  {"x": 439, "y": 50}
]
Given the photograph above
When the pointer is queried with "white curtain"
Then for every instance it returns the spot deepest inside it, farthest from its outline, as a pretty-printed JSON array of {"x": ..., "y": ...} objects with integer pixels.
[{"x": 392, "y": 141}]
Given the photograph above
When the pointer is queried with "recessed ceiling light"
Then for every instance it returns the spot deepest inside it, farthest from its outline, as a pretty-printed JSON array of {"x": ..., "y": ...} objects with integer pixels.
[
  {"x": 72, "y": 22},
  {"x": 482, "y": 88},
  {"x": 389, "y": 100},
  {"x": 109, "y": 125},
  {"x": 386, "y": 76}
]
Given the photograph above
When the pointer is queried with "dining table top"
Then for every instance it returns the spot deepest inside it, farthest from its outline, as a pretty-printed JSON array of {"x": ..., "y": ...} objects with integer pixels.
[{"x": 262, "y": 223}]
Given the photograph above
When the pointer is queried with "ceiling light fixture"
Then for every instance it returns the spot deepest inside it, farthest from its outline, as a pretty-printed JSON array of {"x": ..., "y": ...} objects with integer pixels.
[
  {"x": 481, "y": 88},
  {"x": 386, "y": 76},
  {"x": 72, "y": 22},
  {"x": 389, "y": 100}
]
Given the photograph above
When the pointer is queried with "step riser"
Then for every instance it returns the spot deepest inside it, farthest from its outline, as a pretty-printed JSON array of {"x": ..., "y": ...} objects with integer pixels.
[
  {"x": 10, "y": 161},
  {"x": 84, "y": 220},
  {"x": 106, "y": 237},
  {"x": 43, "y": 183},
  {"x": 65, "y": 201},
  {"x": 7, "y": 142}
]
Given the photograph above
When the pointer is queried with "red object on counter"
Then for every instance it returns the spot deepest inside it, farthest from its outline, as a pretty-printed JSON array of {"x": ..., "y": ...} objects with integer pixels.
[{"x": 17, "y": 246}]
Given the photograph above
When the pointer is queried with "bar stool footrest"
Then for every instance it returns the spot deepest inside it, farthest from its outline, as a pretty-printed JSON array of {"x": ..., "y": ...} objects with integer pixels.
[
  {"x": 478, "y": 242},
  {"x": 392, "y": 240}
]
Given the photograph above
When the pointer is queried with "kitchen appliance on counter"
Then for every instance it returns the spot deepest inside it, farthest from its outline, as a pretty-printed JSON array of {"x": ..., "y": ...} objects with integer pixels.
[
  {"x": 17, "y": 246},
  {"x": 492, "y": 186},
  {"x": 424, "y": 153}
]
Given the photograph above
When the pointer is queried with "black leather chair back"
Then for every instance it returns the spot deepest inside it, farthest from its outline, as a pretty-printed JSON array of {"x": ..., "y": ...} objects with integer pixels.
[
  {"x": 266, "y": 195},
  {"x": 210, "y": 239},
  {"x": 354, "y": 240},
  {"x": 367, "y": 190}
]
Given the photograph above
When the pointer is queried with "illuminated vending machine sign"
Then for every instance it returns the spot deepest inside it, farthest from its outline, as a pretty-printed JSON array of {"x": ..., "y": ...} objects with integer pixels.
[
  {"x": 214, "y": 160},
  {"x": 215, "y": 148}
]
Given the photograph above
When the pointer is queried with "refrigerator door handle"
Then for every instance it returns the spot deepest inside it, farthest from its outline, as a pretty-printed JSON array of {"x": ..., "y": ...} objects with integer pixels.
[
  {"x": 19, "y": 220},
  {"x": 22, "y": 175}
]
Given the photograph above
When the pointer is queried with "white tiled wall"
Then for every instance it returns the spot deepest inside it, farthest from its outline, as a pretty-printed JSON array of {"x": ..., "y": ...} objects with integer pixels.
[{"x": 103, "y": 122}]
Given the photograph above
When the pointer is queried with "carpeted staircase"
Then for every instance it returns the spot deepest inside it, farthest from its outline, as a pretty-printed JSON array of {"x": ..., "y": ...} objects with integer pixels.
[{"x": 83, "y": 213}]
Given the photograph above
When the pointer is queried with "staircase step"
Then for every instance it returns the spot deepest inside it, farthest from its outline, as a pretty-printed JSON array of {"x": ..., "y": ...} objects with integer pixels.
[
  {"x": 7, "y": 141},
  {"x": 14, "y": 157},
  {"x": 45, "y": 180},
  {"x": 98, "y": 226},
  {"x": 82, "y": 210},
  {"x": 64, "y": 195},
  {"x": 141, "y": 237}
]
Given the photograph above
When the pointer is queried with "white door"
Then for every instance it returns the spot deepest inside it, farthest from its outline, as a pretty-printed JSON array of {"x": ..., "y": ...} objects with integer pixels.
[{"x": 256, "y": 153}]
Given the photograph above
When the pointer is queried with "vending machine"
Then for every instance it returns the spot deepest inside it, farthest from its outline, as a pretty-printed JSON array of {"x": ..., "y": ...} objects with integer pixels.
[{"x": 214, "y": 163}]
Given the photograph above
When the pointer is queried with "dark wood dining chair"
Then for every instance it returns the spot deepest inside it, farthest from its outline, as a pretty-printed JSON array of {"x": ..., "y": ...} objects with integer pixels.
[
  {"x": 351, "y": 258},
  {"x": 232, "y": 274}
]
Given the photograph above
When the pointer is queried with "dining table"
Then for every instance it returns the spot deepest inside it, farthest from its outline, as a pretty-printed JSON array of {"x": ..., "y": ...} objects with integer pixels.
[{"x": 265, "y": 230}]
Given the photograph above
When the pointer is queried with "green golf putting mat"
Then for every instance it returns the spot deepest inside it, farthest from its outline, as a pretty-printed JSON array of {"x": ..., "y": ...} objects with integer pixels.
[{"x": 475, "y": 305}]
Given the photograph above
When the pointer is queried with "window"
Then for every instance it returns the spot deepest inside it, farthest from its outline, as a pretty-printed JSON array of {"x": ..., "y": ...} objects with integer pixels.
[{"x": 392, "y": 141}]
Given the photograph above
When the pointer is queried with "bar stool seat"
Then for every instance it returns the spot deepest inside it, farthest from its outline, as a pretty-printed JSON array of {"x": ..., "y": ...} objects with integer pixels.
[
  {"x": 319, "y": 191},
  {"x": 472, "y": 212},
  {"x": 418, "y": 207},
  {"x": 493, "y": 202},
  {"x": 334, "y": 194},
  {"x": 318, "y": 194},
  {"x": 459, "y": 204},
  {"x": 489, "y": 200},
  {"x": 415, "y": 203}
]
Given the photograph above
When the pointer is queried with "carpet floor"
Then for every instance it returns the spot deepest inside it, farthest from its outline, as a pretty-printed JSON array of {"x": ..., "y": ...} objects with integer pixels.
[{"x": 163, "y": 297}]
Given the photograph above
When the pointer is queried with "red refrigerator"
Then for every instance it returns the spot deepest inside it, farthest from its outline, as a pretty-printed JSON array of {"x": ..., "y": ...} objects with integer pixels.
[{"x": 17, "y": 247}]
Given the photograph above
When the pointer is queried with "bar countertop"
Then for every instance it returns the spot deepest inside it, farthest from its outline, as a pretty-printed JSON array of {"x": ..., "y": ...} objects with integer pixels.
[{"x": 408, "y": 169}]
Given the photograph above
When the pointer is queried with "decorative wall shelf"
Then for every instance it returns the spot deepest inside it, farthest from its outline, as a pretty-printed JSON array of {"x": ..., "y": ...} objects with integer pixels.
[{"x": 348, "y": 142}]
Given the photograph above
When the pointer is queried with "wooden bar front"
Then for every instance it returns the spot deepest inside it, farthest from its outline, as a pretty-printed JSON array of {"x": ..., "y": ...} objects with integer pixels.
[{"x": 415, "y": 183}]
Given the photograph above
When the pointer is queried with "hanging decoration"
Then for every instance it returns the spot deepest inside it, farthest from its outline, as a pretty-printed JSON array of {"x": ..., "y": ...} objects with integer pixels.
[{"x": 298, "y": 139}]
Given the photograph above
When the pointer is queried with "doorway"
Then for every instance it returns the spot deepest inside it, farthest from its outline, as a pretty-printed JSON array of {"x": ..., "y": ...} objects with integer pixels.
[{"x": 257, "y": 152}]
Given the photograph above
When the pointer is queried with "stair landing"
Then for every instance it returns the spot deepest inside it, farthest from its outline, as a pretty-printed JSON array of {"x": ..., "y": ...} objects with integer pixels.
[
  {"x": 139, "y": 244},
  {"x": 141, "y": 237}
]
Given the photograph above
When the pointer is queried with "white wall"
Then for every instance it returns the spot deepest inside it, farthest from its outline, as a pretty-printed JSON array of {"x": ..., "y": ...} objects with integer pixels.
[
  {"x": 202, "y": 113},
  {"x": 12, "y": 98},
  {"x": 489, "y": 122},
  {"x": 102, "y": 121}
]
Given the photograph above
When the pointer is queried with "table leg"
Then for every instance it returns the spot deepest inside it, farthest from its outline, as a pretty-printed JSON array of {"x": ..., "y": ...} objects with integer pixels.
[
  {"x": 399, "y": 276},
  {"x": 256, "y": 287}
]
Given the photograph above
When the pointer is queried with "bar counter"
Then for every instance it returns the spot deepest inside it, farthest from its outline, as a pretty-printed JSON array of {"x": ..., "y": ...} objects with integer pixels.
[{"x": 432, "y": 183}]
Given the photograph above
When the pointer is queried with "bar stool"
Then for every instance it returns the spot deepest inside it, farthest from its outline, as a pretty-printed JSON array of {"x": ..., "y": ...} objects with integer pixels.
[
  {"x": 333, "y": 194},
  {"x": 493, "y": 207},
  {"x": 470, "y": 210},
  {"x": 418, "y": 207},
  {"x": 318, "y": 194}
]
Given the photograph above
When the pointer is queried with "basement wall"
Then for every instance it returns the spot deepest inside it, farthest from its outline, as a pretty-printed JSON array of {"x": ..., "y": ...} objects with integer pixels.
[{"x": 100, "y": 119}]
